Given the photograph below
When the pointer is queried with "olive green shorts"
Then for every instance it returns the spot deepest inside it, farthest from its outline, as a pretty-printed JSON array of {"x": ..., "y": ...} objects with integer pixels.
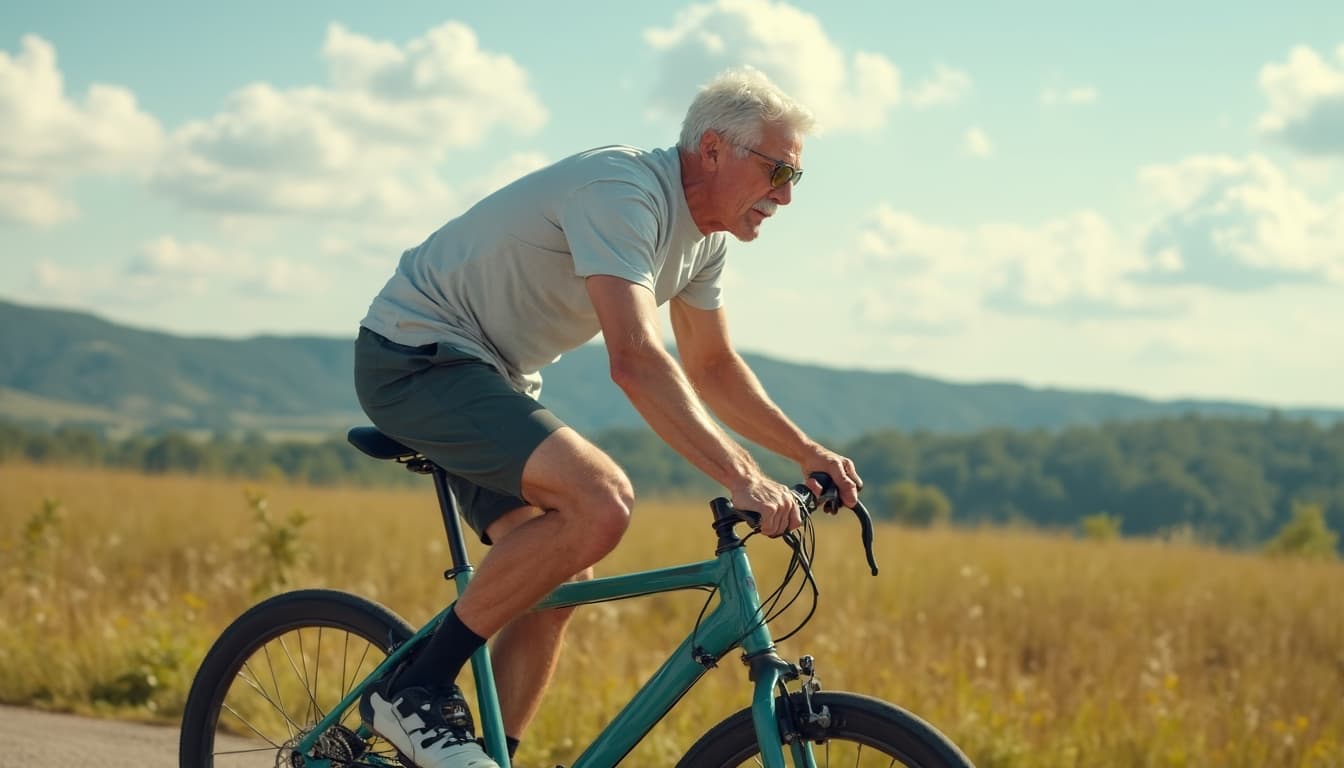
[{"x": 459, "y": 412}]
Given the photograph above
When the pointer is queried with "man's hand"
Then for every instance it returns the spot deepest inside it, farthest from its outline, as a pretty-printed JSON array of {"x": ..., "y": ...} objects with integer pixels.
[
  {"x": 840, "y": 469},
  {"x": 775, "y": 502}
]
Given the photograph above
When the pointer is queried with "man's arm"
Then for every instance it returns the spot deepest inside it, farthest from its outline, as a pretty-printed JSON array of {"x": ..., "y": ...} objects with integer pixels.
[
  {"x": 730, "y": 388},
  {"x": 659, "y": 390}
]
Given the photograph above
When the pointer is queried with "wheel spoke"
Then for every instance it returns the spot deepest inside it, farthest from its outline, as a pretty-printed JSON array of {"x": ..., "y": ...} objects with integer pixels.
[
  {"x": 279, "y": 695},
  {"x": 312, "y": 698},
  {"x": 249, "y": 724},
  {"x": 317, "y": 671},
  {"x": 277, "y": 703},
  {"x": 356, "y": 676},
  {"x": 345, "y": 656},
  {"x": 245, "y": 751}
]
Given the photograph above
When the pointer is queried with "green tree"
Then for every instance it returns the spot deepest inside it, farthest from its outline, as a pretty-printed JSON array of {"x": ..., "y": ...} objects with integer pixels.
[
  {"x": 911, "y": 504},
  {"x": 1100, "y": 527},
  {"x": 174, "y": 452},
  {"x": 1306, "y": 535}
]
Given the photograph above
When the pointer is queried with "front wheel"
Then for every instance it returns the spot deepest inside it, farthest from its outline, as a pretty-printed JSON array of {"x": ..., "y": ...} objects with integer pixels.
[
  {"x": 278, "y": 670},
  {"x": 859, "y": 731}
]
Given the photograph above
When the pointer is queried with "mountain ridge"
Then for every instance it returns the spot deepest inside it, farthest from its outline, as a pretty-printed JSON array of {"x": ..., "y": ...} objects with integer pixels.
[{"x": 60, "y": 366}]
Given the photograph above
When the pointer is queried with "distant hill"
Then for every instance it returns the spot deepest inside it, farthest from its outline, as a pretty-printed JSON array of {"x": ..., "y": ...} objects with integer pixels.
[{"x": 59, "y": 367}]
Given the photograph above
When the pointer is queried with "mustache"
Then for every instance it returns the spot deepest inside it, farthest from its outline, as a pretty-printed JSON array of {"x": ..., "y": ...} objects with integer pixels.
[{"x": 768, "y": 207}]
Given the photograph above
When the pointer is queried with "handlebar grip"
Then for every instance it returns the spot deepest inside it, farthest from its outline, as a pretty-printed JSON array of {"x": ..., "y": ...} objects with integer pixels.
[{"x": 829, "y": 500}]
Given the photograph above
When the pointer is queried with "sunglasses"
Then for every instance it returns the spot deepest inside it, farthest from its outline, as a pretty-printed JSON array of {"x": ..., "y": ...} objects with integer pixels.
[{"x": 782, "y": 173}]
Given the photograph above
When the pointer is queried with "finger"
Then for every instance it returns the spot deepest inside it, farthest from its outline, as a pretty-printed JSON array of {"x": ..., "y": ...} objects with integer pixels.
[
  {"x": 849, "y": 490},
  {"x": 849, "y": 484},
  {"x": 813, "y": 486},
  {"x": 771, "y": 526},
  {"x": 853, "y": 474}
]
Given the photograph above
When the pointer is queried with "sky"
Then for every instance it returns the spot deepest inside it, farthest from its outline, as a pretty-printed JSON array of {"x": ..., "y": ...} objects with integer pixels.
[{"x": 1144, "y": 197}]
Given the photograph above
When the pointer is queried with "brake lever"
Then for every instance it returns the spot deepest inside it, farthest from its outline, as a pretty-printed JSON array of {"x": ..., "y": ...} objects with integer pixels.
[
  {"x": 866, "y": 524},
  {"x": 829, "y": 501}
]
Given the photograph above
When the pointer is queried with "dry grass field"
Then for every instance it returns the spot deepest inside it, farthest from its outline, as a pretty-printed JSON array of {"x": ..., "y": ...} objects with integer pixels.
[{"x": 1027, "y": 649}]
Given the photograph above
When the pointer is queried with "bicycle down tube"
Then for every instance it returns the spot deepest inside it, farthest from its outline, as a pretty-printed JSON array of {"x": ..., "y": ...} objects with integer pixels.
[{"x": 735, "y": 620}]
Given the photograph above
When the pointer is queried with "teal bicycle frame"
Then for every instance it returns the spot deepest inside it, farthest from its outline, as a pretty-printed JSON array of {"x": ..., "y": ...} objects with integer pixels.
[
  {"x": 737, "y": 616},
  {"x": 737, "y": 620}
]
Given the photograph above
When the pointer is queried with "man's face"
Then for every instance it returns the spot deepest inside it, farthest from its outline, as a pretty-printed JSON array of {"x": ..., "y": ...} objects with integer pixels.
[{"x": 744, "y": 195}]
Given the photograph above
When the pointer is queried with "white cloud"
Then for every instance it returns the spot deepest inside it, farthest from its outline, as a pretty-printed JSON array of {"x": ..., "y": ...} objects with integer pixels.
[
  {"x": 285, "y": 277},
  {"x": 1240, "y": 225},
  {"x": 36, "y": 203},
  {"x": 168, "y": 267},
  {"x": 847, "y": 92},
  {"x": 46, "y": 139},
  {"x": 1306, "y": 102},
  {"x": 169, "y": 256},
  {"x": 918, "y": 277},
  {"x": 947, "y": 86},
  {"x": 924, "y": 278},
  {"x": 977, "y": 143},
  {"x": 1072, "y": 96},
  {"x": 1225, "y": 223},
  {"x": 366, "y": 144},
  {"x": 1075, "y": 264}
]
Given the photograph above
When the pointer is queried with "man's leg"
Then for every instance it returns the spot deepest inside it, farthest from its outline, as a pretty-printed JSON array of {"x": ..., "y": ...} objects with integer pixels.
[
  {"x": 525, "y": 652},
  {"x": 588, "y": 500}
]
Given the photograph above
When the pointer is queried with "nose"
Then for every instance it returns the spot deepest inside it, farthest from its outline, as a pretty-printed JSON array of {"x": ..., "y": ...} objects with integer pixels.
[{"x": 782, "y": 194}]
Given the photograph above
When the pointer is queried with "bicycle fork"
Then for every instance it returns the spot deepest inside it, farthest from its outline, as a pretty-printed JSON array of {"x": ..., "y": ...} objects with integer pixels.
[{"x": 784, "y": 726}]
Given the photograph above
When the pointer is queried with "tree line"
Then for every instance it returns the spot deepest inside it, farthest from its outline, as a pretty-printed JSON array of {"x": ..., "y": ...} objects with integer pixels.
[{"x": 1233, "y": 482}]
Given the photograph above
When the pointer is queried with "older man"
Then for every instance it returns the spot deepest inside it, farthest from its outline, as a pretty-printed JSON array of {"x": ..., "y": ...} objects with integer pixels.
[{"x": 448, "y": 357}]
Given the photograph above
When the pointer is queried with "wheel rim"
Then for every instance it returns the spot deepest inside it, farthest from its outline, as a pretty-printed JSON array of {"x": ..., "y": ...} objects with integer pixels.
[{"x": 284, "y": 687}]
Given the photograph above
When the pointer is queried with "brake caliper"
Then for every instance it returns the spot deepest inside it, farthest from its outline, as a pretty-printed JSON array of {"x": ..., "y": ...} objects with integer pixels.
[{"x": 813, "y": 717}]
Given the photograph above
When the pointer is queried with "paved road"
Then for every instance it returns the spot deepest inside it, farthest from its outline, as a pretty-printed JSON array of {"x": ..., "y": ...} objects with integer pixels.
[{"x": 33, "y": 739}]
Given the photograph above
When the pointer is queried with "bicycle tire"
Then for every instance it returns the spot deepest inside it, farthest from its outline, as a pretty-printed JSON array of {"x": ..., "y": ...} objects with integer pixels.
[
  {"x": 862, "y": 731},
  {"x": 298, "y": 615}
]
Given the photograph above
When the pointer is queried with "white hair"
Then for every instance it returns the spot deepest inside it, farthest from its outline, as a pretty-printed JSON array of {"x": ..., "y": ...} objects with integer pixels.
[{"x": 738, "y": 104}]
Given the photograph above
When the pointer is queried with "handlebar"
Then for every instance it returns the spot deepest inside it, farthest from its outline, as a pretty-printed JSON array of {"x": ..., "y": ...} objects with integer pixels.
[{"x": 828, "y": 501}]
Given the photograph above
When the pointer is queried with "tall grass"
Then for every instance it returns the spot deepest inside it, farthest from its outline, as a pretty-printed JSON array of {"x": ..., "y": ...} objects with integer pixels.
[{"x": 1027, "y": 649}]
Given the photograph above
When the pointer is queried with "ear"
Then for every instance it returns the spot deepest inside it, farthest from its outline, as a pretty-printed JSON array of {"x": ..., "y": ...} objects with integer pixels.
[{"x": 711, "y": 150}]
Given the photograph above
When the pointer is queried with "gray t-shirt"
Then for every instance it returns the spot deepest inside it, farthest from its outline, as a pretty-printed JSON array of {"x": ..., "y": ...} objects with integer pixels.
[{"x": 505, "y": 280}]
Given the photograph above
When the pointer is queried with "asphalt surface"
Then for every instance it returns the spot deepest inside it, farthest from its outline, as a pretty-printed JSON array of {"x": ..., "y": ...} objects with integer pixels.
[{"x": 33, "y": 739}]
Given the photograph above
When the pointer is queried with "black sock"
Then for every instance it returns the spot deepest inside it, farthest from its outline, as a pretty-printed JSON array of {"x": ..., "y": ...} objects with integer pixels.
[
  {"x": 445, "y": 653},
  {"x": 513, "y": 746}
]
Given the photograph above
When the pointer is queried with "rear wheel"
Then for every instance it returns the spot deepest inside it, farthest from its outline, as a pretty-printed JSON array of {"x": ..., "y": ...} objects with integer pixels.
[
  {"x": 279, "y": 669},
  {"x": 858, "y": 731}
]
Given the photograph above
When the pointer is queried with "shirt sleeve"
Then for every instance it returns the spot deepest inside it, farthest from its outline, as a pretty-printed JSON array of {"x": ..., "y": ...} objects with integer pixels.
[
  {"x": 705, "y": 291},
  {"x": 612, "y": 229}
]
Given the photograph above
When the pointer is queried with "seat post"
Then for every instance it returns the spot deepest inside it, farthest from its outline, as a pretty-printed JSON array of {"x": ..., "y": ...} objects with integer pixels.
[{"x": 452, "y": 525}]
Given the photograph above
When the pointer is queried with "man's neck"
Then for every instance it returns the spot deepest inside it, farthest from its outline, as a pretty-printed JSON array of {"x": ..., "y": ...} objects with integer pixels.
[{"x": 695, "y": 185}]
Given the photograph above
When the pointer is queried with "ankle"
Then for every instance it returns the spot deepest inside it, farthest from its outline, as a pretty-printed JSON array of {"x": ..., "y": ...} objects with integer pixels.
[{"x": 444, "y": 655}]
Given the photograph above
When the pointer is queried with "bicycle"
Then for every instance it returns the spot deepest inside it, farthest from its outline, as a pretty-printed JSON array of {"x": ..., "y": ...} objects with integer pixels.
[{"x": 320, "y": 727}]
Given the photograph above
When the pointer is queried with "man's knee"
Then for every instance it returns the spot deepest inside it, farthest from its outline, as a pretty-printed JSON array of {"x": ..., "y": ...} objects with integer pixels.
[{"x": 607, "y": 515}]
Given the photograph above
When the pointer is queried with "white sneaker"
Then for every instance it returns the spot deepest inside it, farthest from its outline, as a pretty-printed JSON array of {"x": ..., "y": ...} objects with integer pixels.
[{"x": 432, "y": 729}]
